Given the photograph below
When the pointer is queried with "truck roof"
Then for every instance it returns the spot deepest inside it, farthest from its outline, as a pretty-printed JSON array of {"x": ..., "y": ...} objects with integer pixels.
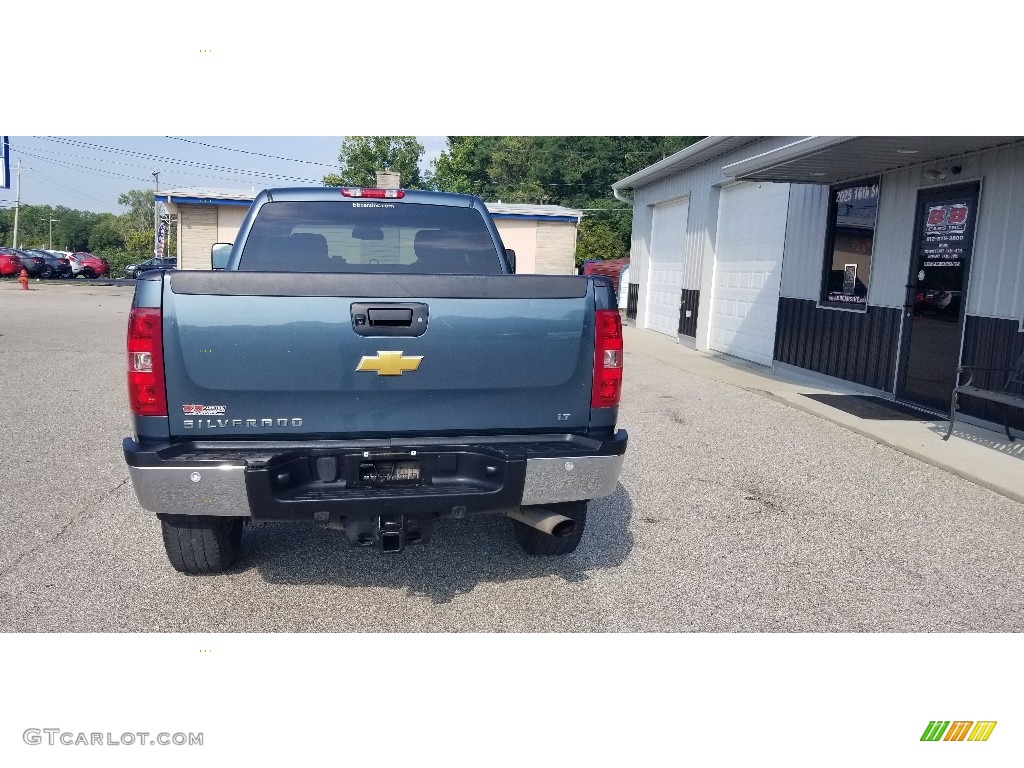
[{"x": 334, "y": 193}]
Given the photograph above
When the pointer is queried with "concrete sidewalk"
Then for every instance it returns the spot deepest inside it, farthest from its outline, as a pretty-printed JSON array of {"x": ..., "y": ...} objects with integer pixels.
[{"x": 982, "y": 456}]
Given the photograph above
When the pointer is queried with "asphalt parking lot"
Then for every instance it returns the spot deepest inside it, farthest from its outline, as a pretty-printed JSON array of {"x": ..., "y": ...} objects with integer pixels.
[{"x": 735, "y": 512}]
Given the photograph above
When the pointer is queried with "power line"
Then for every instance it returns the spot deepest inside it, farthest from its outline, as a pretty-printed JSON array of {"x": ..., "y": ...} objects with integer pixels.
[
  {"x": 251, "y": 174},
  {"x": 82, "y": 167},
  {"x": 49, "y": 181},
  {"x": 258, "y": 154},
  {"x": 130, "y": 165},
  {"x": 163, "y": 159},
  {"x": 66, "y": 185}
]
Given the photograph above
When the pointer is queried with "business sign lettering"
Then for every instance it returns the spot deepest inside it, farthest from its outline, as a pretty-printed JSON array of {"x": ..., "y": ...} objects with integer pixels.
[
  {"x": 945, "y": 226},
  {"x": 855, "y": 194}
]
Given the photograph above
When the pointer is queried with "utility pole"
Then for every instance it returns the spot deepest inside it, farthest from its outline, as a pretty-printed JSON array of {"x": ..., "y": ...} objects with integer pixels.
[
  {"x": 17, "y": 203},
  {"x": 51, "y": 231},
  {"x": 156, "y": 213}
]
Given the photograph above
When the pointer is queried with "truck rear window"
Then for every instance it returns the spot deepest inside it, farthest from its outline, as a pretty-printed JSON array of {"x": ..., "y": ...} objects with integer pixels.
[{"x": 370, "y": 236}]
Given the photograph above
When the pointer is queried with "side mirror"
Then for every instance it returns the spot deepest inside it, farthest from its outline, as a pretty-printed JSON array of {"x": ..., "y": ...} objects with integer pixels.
[
  {"x": 511, "y": 259},
  {"x": 219, "y": 255}
]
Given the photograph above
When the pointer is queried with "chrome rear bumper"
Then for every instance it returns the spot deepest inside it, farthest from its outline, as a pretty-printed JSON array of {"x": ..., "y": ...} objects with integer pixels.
[{"x": 166, "y": 484}]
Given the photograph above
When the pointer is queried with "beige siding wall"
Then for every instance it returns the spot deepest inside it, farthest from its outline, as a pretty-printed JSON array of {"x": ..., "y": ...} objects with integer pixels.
[
  {"x": 198, "y": 233},
  {"x": 521, "y": 237},
  {"x": 556, "y": 248},
  {"x": 229, "y": 220}
]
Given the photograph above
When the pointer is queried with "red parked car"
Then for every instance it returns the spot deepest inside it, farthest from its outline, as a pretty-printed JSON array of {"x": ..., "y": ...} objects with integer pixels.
[
  {"x": 86, "y": 264},
  {"x": 10, "y": 264}
]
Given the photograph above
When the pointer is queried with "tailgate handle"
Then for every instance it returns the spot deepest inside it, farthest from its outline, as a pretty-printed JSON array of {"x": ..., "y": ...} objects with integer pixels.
[
  {"x": 398, "y": 319},
  {"x": 389, "y": 318}
]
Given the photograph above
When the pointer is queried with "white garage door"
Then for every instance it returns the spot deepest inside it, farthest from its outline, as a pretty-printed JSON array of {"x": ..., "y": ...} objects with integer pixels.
[
  {"x": 748, "y": 269},
  {"x": 665, "y": 276}
]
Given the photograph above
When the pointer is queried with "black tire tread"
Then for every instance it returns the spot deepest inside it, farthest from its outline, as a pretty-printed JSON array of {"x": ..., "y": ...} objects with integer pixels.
[
  {"x": 537, "y": 543},
  {"x": 201, "y": 544}
]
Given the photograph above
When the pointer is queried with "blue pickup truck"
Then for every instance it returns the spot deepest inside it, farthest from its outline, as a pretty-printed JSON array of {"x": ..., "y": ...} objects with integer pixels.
[{"x": 367, "y": 360}]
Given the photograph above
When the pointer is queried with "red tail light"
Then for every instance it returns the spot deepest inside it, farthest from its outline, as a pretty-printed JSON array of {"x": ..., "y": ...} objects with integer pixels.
[
  {"x": 390, "y": 194},
  {"x": 146, "y": 392},
  {"x": 607, "y": 359}
]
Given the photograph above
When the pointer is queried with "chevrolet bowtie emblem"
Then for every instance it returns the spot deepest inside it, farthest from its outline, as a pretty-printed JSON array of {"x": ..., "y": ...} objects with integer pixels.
[{"x": 389, "y": 363}]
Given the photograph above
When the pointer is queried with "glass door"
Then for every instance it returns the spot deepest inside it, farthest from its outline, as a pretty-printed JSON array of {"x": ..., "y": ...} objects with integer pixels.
[{"x": 937, "y": 293}]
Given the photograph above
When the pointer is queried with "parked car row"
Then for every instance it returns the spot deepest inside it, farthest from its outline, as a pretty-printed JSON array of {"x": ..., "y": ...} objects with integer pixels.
[{"x": 51, "y": 264}]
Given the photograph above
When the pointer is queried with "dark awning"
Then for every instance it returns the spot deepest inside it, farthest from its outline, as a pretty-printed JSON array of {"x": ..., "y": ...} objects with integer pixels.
[{"x": 836, "y": 159}]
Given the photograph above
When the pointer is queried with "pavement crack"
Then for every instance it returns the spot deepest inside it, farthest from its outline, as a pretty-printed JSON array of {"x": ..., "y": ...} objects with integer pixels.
[
  {"x": 81, "y": 513},
  {"x": 84, "y": 510}
]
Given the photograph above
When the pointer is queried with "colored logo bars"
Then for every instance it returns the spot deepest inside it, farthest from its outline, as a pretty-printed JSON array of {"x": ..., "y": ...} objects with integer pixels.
[{"x": 958, "y": 730}]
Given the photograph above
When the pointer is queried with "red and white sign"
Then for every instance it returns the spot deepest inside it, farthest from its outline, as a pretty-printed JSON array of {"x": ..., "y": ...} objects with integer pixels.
[{"x": 947, "y": 219}]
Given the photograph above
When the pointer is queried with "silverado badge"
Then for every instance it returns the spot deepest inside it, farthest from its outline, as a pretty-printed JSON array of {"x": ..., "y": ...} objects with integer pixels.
[{"x": 389, "y": 363}]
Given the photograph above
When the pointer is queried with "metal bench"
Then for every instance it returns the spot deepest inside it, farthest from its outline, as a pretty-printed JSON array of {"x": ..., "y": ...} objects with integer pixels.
[{"x": 1014, "y": 375}]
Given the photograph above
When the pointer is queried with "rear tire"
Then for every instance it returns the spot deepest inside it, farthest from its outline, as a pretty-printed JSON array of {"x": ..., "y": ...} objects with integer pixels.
[
  {"x": 200, "y": 543},
  {"x": 89, "y": 273},
  {"x": 538, "y": 543},
  {"x": 47, "y": 272}
]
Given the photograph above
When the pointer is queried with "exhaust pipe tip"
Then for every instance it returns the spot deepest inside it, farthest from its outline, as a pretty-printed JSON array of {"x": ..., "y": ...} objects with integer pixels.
[
  {"x": 545, "y": 521},
  {"x": 564, "y": 527}
]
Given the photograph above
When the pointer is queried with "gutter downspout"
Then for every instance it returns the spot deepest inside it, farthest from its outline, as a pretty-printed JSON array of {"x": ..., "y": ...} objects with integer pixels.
[{"x": 630, "y": 202}]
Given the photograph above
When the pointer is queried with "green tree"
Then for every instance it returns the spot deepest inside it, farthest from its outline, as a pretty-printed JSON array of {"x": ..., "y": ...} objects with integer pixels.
[
  {"x": 362, "y": 156},
  {"x": 136, "y": 224},
  {"x": 511, "y": 171},
  {"x": 569, "y": 170},
  {"x": 638, "y": 152},
  {"x": 72, "y": 230},
  {"x": 604, "y": 231},
  {"x": 106, "y": 234},
  {"x": 575, "y": 169},
  {"x": 463, "y": 166},
  {"x": 6, "y": 226},
  {"x": 139, "y": 243},
  {"x": 33, "y": 223},
  {"x": 139, "y": 215}
]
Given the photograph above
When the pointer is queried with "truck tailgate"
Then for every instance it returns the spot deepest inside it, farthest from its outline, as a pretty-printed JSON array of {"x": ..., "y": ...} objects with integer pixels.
[{"x": 272, "y": 355}]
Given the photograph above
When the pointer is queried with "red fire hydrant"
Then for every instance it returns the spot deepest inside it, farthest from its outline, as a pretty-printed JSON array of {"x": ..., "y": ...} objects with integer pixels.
[{"x": 23, "y": 279}]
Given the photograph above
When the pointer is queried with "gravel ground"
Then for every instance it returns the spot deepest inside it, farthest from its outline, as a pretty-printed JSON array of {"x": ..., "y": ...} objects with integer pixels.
[{"x": 734, "y": 513}]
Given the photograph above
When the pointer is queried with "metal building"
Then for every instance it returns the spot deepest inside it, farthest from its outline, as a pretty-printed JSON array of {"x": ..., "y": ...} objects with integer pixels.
[{"x": 882, "y": 261}]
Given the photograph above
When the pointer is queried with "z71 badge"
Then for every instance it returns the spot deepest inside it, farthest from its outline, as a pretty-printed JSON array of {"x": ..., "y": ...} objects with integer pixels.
[{"x": 204, "y": 410}]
